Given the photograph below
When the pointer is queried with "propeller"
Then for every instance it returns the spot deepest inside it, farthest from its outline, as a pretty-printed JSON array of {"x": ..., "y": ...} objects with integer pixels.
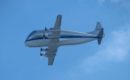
[{"x": 44, "y": 49}]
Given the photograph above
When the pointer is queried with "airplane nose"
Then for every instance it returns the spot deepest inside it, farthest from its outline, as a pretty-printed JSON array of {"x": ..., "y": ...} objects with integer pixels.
[{"x": 26, "y": 42}]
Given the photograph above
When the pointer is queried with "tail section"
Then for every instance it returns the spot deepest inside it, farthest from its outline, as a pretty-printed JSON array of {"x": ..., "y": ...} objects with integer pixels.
[{"x": 100, "y": 32}]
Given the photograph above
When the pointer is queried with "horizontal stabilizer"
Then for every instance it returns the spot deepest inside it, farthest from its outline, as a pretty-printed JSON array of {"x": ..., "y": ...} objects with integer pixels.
[
  {"x": 100, "y": 36},
  {"x": 100, "y": 32}
]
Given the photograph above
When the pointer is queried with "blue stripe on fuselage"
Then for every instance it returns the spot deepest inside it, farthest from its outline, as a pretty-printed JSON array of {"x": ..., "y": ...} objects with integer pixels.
[{"x": 62, "y": 36}]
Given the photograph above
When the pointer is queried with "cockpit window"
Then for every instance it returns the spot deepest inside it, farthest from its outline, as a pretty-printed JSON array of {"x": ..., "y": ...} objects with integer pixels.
[
  {"x": 38, "y": 35},
  {"x": 35, "y": 35},
  {"x": 30, "y": 35}
]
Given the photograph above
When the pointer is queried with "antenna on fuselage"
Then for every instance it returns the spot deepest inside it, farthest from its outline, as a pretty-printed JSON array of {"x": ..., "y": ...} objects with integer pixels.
[{"x": 45, "y": 29}]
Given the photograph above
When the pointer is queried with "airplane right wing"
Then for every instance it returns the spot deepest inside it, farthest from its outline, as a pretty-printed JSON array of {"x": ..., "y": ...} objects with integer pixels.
[
  {"x": 56, "y": 30},
  {"x": 58, "y": 22}
]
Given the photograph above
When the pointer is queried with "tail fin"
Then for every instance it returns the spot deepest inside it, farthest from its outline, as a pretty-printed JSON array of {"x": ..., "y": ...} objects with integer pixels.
[
  {"x": 100, "y": 32},
  {"x": 98, "y": 26}
]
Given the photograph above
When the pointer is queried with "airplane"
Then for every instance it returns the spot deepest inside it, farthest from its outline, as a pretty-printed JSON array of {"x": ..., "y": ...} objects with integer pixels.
[{"x": 49, "y": 40}]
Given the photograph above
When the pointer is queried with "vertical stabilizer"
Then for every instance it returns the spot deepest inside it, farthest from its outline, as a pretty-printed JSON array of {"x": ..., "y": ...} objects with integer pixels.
[{"x": 98, "y": 26}]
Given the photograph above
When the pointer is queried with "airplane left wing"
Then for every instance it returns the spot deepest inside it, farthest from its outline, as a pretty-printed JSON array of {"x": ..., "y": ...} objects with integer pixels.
[{"x": 51, "y": 53}]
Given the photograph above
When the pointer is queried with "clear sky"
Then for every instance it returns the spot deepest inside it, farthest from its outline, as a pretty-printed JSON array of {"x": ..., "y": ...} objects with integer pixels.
[{"x": 109, "y": 61}]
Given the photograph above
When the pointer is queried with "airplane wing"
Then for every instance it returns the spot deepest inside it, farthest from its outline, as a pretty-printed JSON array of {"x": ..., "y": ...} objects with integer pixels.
[
  {"x": 51, "y": 53},
  {"x": 56, "y": 30},
  {"x": 52, "y": 48},
  {"x": 58, "y": 22},
  {"x": 57, "y": 27}
]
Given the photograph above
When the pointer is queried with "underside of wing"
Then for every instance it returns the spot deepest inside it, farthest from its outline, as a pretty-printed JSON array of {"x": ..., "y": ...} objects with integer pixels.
[
  {"x": 51, "y": 53},
  {"x": 52, "y": 48},
  {"x": 58, "y": 22},
  {"x": 51, "y": 60},
  {"x": 56, "y": 30}
]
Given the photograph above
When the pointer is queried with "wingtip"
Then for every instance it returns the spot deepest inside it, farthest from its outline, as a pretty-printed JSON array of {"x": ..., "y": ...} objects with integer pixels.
[
  {"x": 50, "y": 64},
  {"x": 59, "y": 15}
]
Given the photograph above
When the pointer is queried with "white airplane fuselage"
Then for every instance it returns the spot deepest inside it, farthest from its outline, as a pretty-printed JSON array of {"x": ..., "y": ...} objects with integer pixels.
[{"x": 42, "y": 38}]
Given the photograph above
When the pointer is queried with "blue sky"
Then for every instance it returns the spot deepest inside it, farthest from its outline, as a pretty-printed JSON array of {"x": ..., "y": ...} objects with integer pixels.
[{"x": 110, "y": 61}]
